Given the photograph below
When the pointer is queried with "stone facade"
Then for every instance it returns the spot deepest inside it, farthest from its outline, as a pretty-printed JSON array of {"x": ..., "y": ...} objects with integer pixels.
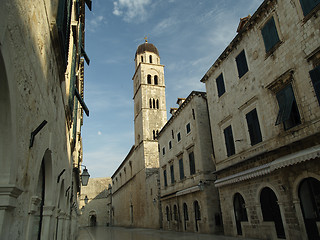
[
  {"x": 189, "y": 199},
  {"x": 135, "y": 184},
  {"x": 40, "y": 120},
  {"x": 94, "y": 212},
  {"x": 263, "y": 99}
]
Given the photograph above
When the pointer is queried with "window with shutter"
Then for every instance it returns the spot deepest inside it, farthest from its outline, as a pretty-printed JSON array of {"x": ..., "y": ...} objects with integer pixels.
[
  {"x": 181, "y": 169},
  {"x": 188, "y": 127},
  {"x": 192, "y": 163},
  {"x": 179, "y": 136},
  {"x": 165, "y": 177},
  {"x": 270, "y": 34},
  {"x": 242, "y": 63},
  {"x": 220, "y": 85},
  {"x": 229, "y": 141},
  {"x": 288, "y": 110},
  {"x": 172, "y": 174},
  {"x": 72, "y": 79},
  {"x": 308, "y": 5},
  {"x": 254, "y": 127},
  {"x": 315, "y": 77}
]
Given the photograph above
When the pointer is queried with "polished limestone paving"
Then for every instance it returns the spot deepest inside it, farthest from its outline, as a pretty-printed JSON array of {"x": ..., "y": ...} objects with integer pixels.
[{"x": 118, "y": 233}]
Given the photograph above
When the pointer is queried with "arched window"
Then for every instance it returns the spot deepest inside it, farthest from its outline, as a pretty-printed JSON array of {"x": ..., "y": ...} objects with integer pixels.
[
  {"x": 167, "y": 213},
  {"x": 309, "y": 194},
  {"x": 154, "y": 103},
  {"x": 149, "y": 79},
  {"x": 150, "y": 102},
  {"x": 157, "y": 104},
  {"x": 240, "y": 211},
  {"x": 141, "y": 58},
  {"x": 155, "y": 80},
  {"x": 175, "y": 212},
  {"x": 150, "y": 59},
  {"x": 271, "y": 211}
]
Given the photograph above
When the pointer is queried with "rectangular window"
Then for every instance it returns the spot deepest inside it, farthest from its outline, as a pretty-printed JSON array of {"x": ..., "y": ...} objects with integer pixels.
[
  {"x": 172, "y": 134},
  {"x": 181, "y": 169},
  {"x": 192, "y": 163},
  {"x": 288, "y": 110},
  {"x": 188, "y": 128},
  {"x": 220, "y": 85},
  {"x": 315, "y": 77},
  {"x": 165, "y": 177},
  {"x": 270, "y": 34},
  {"x": 308, "y": 5},
  {"x": 163, "y": 151},
  {"x": 229, "y": 141},
  {"x": 170, "y": 145},
  {"x": 179, "y": 136},
  {"x": 242, "y": 64},
  {"x": 254, "y": 127},
  {"x": 172, "y": 173}
]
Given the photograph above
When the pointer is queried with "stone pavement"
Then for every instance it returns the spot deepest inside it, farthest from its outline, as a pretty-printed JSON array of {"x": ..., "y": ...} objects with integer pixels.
[{"x": 118, "y": 233}]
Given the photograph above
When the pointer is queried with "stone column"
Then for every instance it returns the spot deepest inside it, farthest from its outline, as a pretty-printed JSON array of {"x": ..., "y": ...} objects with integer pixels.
[
  {"x": 8, "y": 199},
  {"x": 61, "y": 221},
  {"x": 32, "y": 232},
  {"x": 46, "y": 229}
]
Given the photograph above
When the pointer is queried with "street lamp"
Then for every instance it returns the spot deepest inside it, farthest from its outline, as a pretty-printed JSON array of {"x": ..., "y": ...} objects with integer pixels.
[{"x": 84, "y": 176}]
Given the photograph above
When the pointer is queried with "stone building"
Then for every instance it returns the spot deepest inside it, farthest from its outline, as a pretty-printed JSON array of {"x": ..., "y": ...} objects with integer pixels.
[
  {"x": 263, "y": 97},
  {"x": 189, "y": 199},
  {"x": 93, "y": 203},
  {"x": 135, "y": 184},
  {"x": 41, "y": 104}
]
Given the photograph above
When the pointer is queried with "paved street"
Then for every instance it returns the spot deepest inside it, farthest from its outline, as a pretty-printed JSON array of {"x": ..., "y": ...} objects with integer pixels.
[{"x": 116, "y": 233}]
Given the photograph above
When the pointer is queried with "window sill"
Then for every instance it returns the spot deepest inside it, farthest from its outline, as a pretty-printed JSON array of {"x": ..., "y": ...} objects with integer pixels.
[
  {"x": 313, "y": 13},
  {"x": 273, "y": 49}
]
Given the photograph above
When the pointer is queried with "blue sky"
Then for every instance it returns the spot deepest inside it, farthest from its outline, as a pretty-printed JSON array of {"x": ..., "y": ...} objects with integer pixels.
[{"x": 189, "y": 34}]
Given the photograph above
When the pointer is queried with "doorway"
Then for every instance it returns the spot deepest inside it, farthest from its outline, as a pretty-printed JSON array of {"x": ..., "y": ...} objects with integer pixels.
[
  {"x": 309, "y": 194},
  {"x": 240, "y": 211},
  {"x": 93, "y": 220},
  {"x": 271, "y": 211}
]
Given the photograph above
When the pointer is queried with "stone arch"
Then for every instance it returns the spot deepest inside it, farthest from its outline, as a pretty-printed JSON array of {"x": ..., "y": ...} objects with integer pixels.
[
  {"x": 262, "y": 186},
  {"x": 92, "y": 219},
  {"x": 240, "y": 211}
]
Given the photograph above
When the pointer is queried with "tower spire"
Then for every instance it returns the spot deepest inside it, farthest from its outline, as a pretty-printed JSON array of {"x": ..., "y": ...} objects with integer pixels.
[{"x": 146, "y": 39}]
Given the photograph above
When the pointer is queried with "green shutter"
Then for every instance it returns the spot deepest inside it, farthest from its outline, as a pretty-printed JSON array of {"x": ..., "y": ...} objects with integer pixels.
[
  {"x": 254, "y": 127},
  {"x": 315, "y": 77},
  {"x": 308, "y": 5},
  {"x": 181, "y": 169},
  {"x": 270, "y": 34},
  {"x": 75, "y": 115},
  {"x": 72, "y": 78},
  {"x": 229, "y": 141},
  {"x": 242, "y": 63},
  {"x": 220, "y": 85},
  {"x": 285, "y": 99}
]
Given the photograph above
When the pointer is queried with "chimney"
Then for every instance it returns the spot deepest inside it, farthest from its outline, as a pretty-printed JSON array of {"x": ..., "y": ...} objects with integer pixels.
[
  {"x": 243, "y": 21},
  {"x": 180, "y": 101}
]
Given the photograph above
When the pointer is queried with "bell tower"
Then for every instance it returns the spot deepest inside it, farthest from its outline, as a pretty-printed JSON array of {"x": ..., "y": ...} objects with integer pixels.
[{"x": 150, "y": 113}]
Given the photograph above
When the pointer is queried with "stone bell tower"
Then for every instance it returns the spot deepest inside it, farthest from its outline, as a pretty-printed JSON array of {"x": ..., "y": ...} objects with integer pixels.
[{"x": 149, "y": 101}]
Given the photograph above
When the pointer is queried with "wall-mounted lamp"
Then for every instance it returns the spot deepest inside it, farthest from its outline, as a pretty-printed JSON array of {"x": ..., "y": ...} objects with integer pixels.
[{"x": 84, "y": 176}]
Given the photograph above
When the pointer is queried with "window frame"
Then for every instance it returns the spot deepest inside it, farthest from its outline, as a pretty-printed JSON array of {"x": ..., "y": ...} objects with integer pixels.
[
  {"x": 179, "y": 137},
  {"x": 172, "y": 174},
  {"x": 254, "y": 128},
  {"x": 188, "y": 128},
  {"x": 266, "y": 34},
  {"x": 165, "y": 177},
  {"x": 242, "y": 71},
  {"x": 230, "y": 149},
  {"x": 221, "y": 89},
  {"x": 192, "y": 163},
  {"x": 306, "y": 12},
  {"x": 181, "y": 168},
  {"x": 315, "y": 79}
]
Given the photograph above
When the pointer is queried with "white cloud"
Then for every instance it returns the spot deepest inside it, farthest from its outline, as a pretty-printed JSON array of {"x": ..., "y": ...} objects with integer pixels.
[
  {"x": 131, "y": 9},
  {"x": 94, "y": 22},
  {"x": 99, "y": 133}
]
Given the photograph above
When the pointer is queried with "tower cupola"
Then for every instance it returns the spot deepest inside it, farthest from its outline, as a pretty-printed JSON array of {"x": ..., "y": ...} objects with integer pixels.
[{"x": 147, "y": 53}]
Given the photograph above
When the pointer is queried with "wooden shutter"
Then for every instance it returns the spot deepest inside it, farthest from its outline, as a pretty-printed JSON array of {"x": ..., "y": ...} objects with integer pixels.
[
  {"x": 172, "y": 173},
  {"x": 220, "y": 85},
  {"x": 285, "y": 99},
  {"x": 315, "y": 77},
  {"x": 165, "y": 178},
  {"x": 254, "y": 127},
  {"x": 229, "y": 141},
  {"x": 242, "y": 64},
  {"x": 181, "y": 169},
  {"x": 192, "y": 163},
  {"x": 270, "y": 34},
  {"x": 308, "y": 5}
]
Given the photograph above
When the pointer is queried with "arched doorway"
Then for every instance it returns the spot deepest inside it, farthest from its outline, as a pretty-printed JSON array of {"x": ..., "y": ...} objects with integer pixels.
[
  {"x": 271, "y": 211},
  {"x": 197, "y": 214},
  {"x": 309, "y": 194},
  {"x": 93, "y": 220},
  {"x": 240, "y": 211},
  {"x": 185, "y": 215}
]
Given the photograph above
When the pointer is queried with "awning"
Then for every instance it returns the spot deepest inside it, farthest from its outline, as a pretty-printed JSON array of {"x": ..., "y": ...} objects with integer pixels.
[
  {"x": 189, "y": 190},
  {"x": 285, "y": 161}
]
